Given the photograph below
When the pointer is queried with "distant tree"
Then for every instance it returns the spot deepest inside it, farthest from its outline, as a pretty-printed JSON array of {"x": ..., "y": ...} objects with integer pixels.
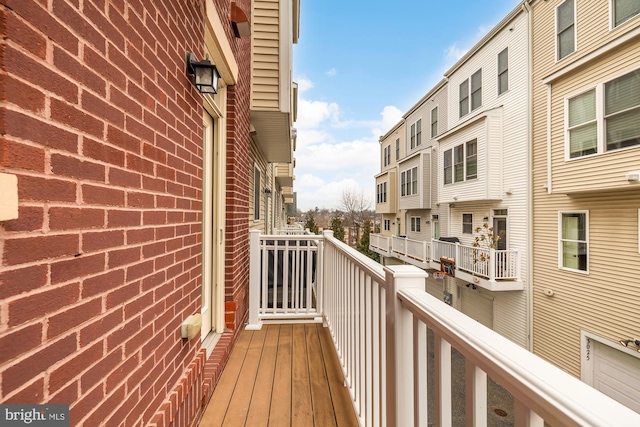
[
  {"x": 338, "y": 228},
  {"x": 355, "y": 206},
  {"x": 310, "y": 223},
  {"x": 363, "y": 245}
]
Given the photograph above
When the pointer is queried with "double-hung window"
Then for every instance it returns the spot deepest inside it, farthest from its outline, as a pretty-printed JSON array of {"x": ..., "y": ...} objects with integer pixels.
[
  {"x": 471, "y": 159},
  {"x": 503, "y": 71},
  {"x": 386, "y": 155},
  {"x": 397, "y": 149},
  {"x": 409, "y": 182},
  {"x": 476, "y": 90},
  {"x": 458, "y": 163},
  {"x": 382, "y": 192},
  {"x": 623, "y": 10},
  {"x": 464, "y": 98},
  {"x": 573, "y": 241},
  {"x": 413, "y": 136},
  {"x": 387, "y": 224},
  {"x": 565, "y": 29},
  {"x": 434, "y": 122},
  {"x": 461, "y": 162},
  {"x": 415, "y": 224},
  {"x": 256, "y": 193},
  {"x": 604, "y": 118},
  {"x": 416, "y": 134},
  {"x": 448, "y": 167}
]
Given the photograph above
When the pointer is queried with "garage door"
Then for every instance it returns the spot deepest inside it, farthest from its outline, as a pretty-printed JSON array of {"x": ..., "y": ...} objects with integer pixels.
[
  {"x": 477, "y": 306},
  {"x": 616, "y": 374}
]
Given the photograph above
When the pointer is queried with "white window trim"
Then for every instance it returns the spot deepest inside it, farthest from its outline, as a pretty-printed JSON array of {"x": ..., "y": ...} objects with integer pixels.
[
  {"x": 462, "y": 222},
  {"x": 437, "y": 122},
  {"x": 612, "y": 24},
  {"x": 570, "y": 211},
  {"x": 601, "y": 133},
  {"x": 575, "y": 30},
  {"x": 256, "y": 192},
  {"x": 415, "y": 220},
  {"x": 498, "y": 72}
]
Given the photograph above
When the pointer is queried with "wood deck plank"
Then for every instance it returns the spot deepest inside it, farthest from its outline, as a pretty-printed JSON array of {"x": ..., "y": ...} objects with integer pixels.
[
  {"x": 243, "y": 392},
  {"x": 217, "y": 408},
  {"x": 323, "y": 414},
  {"x": 261, "y": 401},
  {"x": 280, "y": 411},
  {"x": 342, "y": 406},
  {"x": 302, "y": 413}
]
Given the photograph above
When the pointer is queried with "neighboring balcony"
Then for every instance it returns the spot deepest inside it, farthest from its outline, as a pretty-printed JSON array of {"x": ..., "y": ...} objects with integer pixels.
[
  {"x": 284, "y": 174},
  {"x": 393, "y": 343},
  {"x": 491, "y": 269}
]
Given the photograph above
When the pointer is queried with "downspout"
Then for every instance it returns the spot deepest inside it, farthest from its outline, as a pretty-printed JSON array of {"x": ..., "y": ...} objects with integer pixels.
[{"x": 529, "y": 277}]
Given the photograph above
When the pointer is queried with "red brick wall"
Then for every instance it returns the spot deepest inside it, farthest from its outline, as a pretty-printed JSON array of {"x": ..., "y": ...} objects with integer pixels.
[{"x": 103, "y": 129}]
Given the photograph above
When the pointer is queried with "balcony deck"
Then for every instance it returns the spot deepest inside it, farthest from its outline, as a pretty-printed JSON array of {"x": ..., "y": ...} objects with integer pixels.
[{"x": 281, "y": 375}]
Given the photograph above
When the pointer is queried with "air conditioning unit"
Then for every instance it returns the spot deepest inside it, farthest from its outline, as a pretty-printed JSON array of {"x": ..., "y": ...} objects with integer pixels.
[{"x": 633, "y": 176}]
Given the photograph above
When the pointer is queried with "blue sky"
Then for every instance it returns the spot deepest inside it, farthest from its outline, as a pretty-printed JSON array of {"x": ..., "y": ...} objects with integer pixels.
[{"x": 360, "y": 65}]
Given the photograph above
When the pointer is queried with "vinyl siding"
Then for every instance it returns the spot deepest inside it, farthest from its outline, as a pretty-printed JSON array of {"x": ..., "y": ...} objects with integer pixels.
[
  {"x": 265, "y": 79},
  {"x": 391, "y": 206},
  {"x": 603, "y": 301},
  {"x": 266, "y": 180}
]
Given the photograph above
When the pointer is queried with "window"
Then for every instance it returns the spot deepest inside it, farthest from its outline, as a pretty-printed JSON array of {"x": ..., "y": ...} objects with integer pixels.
[
  {"x": 409, "y": 182},
  {"x": 467, "y": 223},
  {"x": 435, "y": 226},
  {"x": 503, "y": 71},
  {"x": 415, "y": 224},
  {"x": 613, "y": 106},
  {"x": 458, "y": 163},
  {"x": 397, "y": 149},
  {"x": 623, "y": 10},
  {"x": 387, "y": 224},
  {"x": 434, "y": 122},
  {"x": 472, "y": 159},
  {"x": 464, "y": 98},
  {"x": 565, "y": 29},
  {"x": 448, "y": 167},
  {"x": 381, "y": 192},
  {"x": 476, "y": 89},
  {"x": 416, "y": 134},
  {"x": 573, "y": 241},
  {"x": 386, "y": 155},
  {"x": 582, "y": 125},
  {"x": 256, "y": 193}
]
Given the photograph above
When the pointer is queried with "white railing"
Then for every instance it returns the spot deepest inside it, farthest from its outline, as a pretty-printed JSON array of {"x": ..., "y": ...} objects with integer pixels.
[
  {"x": 380, "y": 242},
  {"x": 379, "y": 318},
  {"x": 291, "y": 230},
  {"x": 443, "y": 249},
  {"x": 418, "y": 250},
  {"x": 488, "y": 263}
]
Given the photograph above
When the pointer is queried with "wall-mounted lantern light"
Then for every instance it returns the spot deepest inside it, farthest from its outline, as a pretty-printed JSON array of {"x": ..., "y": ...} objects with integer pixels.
[{"x": 206, "y": 74}]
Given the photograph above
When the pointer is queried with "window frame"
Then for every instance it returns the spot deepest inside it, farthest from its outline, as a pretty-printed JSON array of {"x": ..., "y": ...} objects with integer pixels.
[
  {"x": 502, "y": 90},
  {"x": 447, "y": 166},
  {"x": 434, "y": 123},
  {"x": 601, "y": 118},
  {"x": 257, "y": 194},
  {"x": 397, "y": 149},
  {"x": 612, "y": 15},
  {"x": 415, "y": 224},
  {"x": 467, "y": 177},
  {"x": 386, "y": 224},
  {"x": 409, "y": 182},
  {"x": 557, "y": 32},
  {"x": 412, "y": 136},
  {"x": 386, "y": 155},
  {"x": 463, "y": 101},
  {"x": 473, "y": 92},
  {"x": 561, "y": 240},
  {"x": 418, "y": 132},
  {"x": 468, "y": 224}
]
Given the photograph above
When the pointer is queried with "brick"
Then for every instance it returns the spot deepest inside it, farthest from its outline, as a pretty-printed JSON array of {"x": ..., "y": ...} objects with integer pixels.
[
  {"x": 100, "y": 240},
  {"x": 165, "y": 172},
  {"x": 31, "y": 249},
  {"x": 123, "y": 294},
  {"x": 123, "y": 218},
  {"x": 16, "y": 155},
  {"x": 14, "y": 282},
  {"x": 140, "y": 130},
  {"x": 100, "y": 327},
  {"x": 99, "y": 107},
  {"x": 30, "y": 218},
  {"x": 33, "y": 392},
  {"x": 79, "y": 24},
  {"x": 154, "y": 249},
  {"x": 63, "y": 218},
  {"x": 22, "y": 372},
  {"x": 140, "y": 200},
  {"x": 123, "y": 257},
  {"x": 67, "y": 166},
  {"x": 139, "y": 270},
  {"x": 140, "y": 236},
  {"x": 34, "y": 129},
  {"x": 153, "y": 281},
  {"x": 137, "y": 340},
  {"x": 38, "y": 305},
  {"x": 116, "y": 57},
  {"x": 80, "y": 408},
  {"x": 72, "y": 317},
  {"x": 77, "y": 119},
  {"x": 99, "y": 21},
  {"x": 22, "y": 95},
  {"x": 65, "y": 395},
  {"x": 19, "y": 341},
  {"x": 102, "y": 283},
  {"x": 154, "y": 217},
  {"x": 94, "y": 195},
  {"x": 124, "y": 178},
  {"x": 104, "y": 68},
  {"x": 119, "y": 336},
  {"x": 16, "y": 30},
  {"x": 78, "y": 72},
  {"x": 77, "y": 268},
  {"x": 154, "y": 153},
  {"x": 136, "y": 92},
  {"x": 73, "y": 367},
  {"x": 130, "y": 366},
  {"x": 166, "y": 202},
  {"x": 139, "y": 164},
  {"x": 102, "y": 152},
  {"x": 43, "y": 21}
]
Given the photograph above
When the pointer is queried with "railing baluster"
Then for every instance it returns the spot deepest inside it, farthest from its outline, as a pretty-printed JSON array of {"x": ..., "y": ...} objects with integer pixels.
[
  {"x": 476, "y": 395},
  {"x": 442, "y": 378},
  {"x": 421, "y": 394},
  {"x": 524, "y": 416}
]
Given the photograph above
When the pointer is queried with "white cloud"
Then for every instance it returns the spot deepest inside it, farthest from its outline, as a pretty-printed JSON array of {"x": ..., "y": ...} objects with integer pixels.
[
  {"x": 332, "y": 72},
  {"x": 312, "y": 113},
  {"x": 454, "y": 52},
  {"x": 304, "y": 84}
]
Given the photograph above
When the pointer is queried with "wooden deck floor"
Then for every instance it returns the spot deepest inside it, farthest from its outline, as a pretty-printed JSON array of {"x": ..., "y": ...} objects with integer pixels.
[{"x": 282, "y": 375}]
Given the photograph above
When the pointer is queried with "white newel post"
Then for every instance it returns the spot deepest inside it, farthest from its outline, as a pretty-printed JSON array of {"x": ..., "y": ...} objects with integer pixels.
[
  {"x": 254, "y": 281},
  {"x": 399, "y": 347}
]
